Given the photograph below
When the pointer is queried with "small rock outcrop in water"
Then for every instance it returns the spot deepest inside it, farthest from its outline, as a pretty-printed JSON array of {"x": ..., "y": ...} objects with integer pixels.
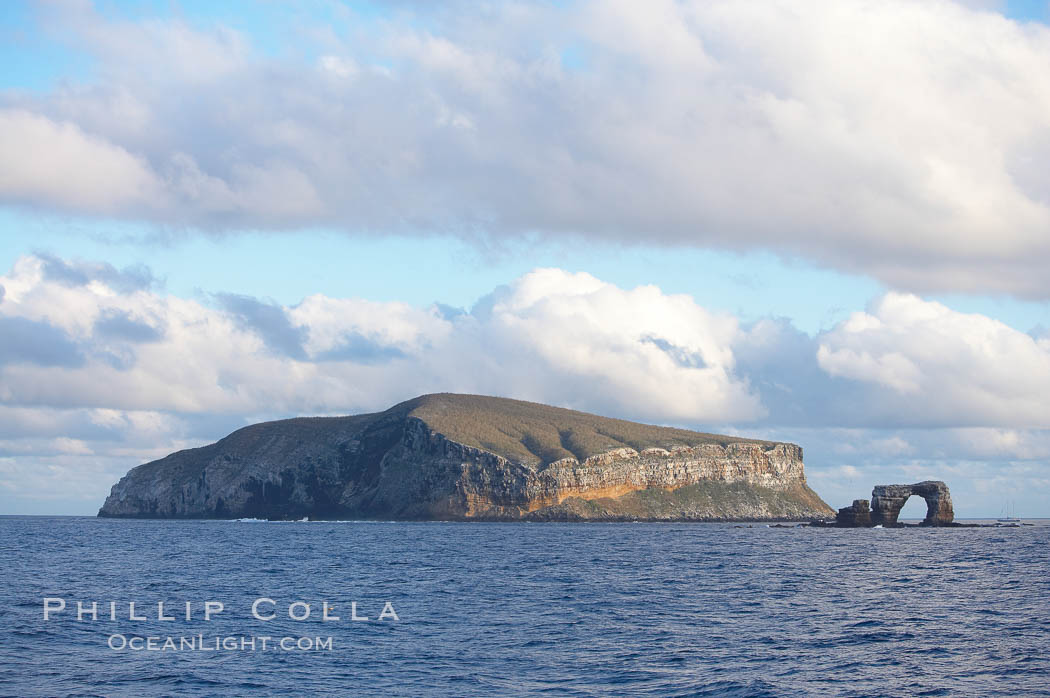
[
  {"x": 888, "y": 500},
  {"x": 857, "y": 515},
  {"x": 472, "y": 457}
]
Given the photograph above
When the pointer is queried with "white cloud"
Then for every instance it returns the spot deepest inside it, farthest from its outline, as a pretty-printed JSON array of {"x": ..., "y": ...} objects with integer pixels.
[
  {"x": 115, "y": 343},
  {"x": 154, "y": 373},
  {"x": 338, "y": 66},
  {"x": 585, "y": 343},
  {"x": 928, "y": 364},
  {"x": 900, "y": 139},
  {"x": 651, "y": 355},
  {"x": 57, "y": 164}
]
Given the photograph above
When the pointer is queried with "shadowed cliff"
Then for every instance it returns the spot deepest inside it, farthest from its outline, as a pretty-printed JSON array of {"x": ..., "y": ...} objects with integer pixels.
[{"x": 451, "y": 456}]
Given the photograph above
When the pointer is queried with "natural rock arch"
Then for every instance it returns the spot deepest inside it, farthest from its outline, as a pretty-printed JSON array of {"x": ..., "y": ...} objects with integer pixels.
[{"x": 888, "y": 500}]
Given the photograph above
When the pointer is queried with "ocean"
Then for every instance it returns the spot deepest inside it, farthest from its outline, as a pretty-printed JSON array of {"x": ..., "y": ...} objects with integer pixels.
[{"x": 481, "y": 609}]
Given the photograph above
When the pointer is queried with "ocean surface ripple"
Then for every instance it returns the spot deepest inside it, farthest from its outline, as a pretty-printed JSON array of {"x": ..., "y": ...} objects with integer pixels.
[{"x": 530, "y": 609}]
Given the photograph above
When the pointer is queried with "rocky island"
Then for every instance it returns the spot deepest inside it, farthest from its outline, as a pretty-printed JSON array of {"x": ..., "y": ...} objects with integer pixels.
[
  {"x": 888, "y": 500},
  {"x": 470, "y": 457}
]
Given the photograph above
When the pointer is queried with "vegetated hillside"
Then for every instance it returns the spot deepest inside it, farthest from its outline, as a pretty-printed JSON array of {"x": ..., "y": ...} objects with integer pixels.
[{"x": 538, "y": 434}]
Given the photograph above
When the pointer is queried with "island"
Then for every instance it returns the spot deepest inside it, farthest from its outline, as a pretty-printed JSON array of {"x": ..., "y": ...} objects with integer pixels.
[
  {"x": 887, "y": 501},
  {"x": 471, "y": 457}
]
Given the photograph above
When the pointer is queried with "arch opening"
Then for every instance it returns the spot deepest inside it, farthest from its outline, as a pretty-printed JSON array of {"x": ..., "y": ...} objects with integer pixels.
[
  {"x": 887, "y": 501},
  {"x": 916, "y": 508}
]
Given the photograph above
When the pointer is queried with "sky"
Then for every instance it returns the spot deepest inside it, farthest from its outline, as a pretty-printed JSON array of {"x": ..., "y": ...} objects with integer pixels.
[{"x": 824, "y": 222}]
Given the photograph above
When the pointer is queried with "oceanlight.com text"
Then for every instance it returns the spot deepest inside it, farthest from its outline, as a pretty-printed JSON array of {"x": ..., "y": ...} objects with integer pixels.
[{"x": 218, "y": 643}]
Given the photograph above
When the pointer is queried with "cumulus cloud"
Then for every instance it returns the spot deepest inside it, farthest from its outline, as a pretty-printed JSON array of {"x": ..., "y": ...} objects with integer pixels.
[
  {"x": 899, "y": 139},
  {"x": 925, "y": 363},
  {"x": 550, "y": 335},
  {"x": 107, "y": 374}
]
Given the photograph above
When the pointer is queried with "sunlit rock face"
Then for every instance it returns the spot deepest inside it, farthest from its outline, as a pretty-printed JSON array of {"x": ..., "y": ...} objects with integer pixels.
[
  {"x": 888, "y": 500},
  {"x": 460, "y": 457}
]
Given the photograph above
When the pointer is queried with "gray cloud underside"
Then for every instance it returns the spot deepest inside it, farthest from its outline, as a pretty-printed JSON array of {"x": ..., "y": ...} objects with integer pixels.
[
  {"x": 94, "y": 379},
  {"x": 550, "y": 335},
  {"x": 36, "y": 342},
  {"x": 268, "y": 321},
  {"x": 80, "y": 273},
  {"x": 121, "y": 326},
  {"x": 901, "y": 139}
]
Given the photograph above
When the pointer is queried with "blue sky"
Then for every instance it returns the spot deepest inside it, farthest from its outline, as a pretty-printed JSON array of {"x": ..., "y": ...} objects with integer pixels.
[
  {"x": 1027, "y": 10},
  {"x": 421, "y": 271},
  {"x": 403, "y": 157},
  {"x": 287, "y": 268}
]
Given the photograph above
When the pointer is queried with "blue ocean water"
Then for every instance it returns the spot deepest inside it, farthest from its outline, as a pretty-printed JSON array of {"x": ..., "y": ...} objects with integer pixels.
[{"x": 526, "y": 609}]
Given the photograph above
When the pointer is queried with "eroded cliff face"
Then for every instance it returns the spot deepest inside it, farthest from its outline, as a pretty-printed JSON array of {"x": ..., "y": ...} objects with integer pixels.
[
  {"x": 395, "y": 466},
  {"x": 474, "y": 483}
]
